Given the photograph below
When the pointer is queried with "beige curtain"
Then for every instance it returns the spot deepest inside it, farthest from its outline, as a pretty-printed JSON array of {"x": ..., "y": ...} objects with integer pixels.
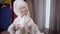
[{"x": 29, "y": 2}]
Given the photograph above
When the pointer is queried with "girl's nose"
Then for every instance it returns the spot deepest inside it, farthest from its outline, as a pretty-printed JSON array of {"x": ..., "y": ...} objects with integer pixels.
[{"x": 23, "y": 10}]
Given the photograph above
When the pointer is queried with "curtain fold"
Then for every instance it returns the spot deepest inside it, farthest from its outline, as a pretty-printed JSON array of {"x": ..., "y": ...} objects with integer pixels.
[
  {"x": 58, "y": 15},
  {"x": 39, "y": 13},
  {"x": 54, "y": 27},
  {"x": 53, "y": 21}
]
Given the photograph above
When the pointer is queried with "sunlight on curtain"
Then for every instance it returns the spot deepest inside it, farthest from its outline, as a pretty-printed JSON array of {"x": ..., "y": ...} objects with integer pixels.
[{"x": 47, "y": 13}]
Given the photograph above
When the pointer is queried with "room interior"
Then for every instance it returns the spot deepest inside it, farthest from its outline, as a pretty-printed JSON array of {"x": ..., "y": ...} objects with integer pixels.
[{"x": 45, "y": 14}]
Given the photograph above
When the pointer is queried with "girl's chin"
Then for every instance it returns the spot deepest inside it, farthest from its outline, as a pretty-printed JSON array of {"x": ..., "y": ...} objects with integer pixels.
[{"x": 23, "y": 14}]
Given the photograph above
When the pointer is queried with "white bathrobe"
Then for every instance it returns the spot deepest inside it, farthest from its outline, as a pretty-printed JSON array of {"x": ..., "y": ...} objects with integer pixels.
[
  {"x": 28, "y": 26},
  {"x": 26, "y": 23}
]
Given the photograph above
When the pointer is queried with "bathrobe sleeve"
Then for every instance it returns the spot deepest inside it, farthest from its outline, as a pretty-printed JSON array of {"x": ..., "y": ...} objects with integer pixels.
[{"x": 11, "y": 28}]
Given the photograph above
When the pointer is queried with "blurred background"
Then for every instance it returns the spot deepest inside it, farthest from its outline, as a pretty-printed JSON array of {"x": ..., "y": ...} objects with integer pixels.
[{"x": 45, "y": 13}]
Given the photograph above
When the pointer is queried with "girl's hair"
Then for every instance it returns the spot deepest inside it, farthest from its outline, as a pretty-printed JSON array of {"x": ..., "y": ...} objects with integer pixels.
[{"x": 16, "y": 5}]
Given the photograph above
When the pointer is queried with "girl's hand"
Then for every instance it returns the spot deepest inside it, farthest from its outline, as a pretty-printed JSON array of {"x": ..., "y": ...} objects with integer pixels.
[{"x": 17, "y": 27}]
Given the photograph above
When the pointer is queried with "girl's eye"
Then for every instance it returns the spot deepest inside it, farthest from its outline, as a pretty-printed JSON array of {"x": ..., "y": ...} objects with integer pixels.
[{"x": 22, "y": 8}]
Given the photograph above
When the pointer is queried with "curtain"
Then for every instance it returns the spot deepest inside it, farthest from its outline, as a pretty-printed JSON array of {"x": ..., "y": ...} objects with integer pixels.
[
  {"x": 39, "y": 13},
  {"x": 58, "y": 15},
  {"x": 54, "y": 27}
]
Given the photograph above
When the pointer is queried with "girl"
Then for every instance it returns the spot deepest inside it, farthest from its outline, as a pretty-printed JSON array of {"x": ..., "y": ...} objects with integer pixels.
[{"x": 23, "y": 24}]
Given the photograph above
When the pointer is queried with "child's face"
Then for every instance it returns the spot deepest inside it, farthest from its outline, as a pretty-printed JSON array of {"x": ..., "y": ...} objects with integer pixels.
[{"x": 23, "y": 10}]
